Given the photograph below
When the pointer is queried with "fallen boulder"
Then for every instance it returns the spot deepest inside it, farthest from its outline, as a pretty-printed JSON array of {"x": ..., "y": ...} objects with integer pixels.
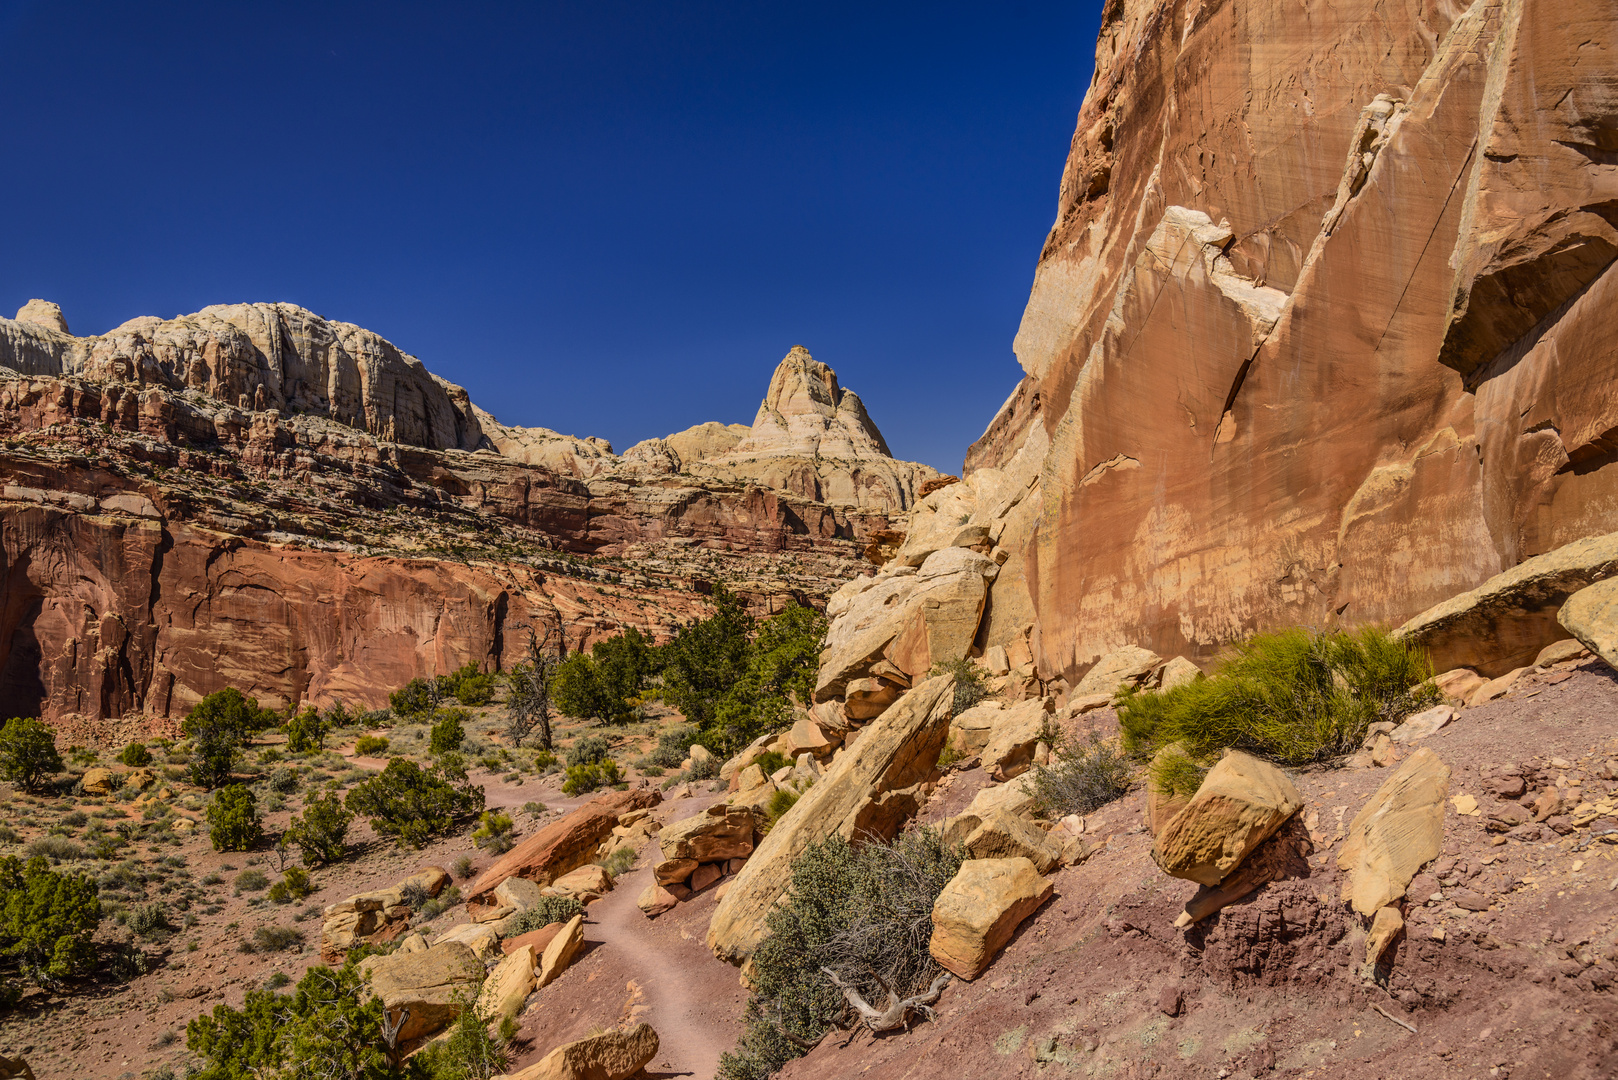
[
  {"x": 1241, "y": 802},
  {"x": 614, "y": 1055},
  {"x": 508, "y": 985},
  {"x": 97, "y": 781},
  {"x": 1178, "y": 672},
  {"x": 655, "y": 900},
  {"x": 428, "y": 984},
  {"x": 723, "y": 831},
  {"x": 560, "y": 952},
  {"x": 868, "y": 698},
  {"x": 565, "y": 844},
  {"x": 1005, "y": 836},
  {"x": 1591, "y": 616},
  {"x": 1396, "y": 833},
  {"x": 482, "y": 940},
  {"x": 897, "y": 751},
  {"x": 535, "y": 939},
  {"x": 980, "y": 909},
  {"x": 588, "y": 881},
  {"x": 1422, "y": 724},
  {"x": 971, "y": 729},
  {"x": 1505, "y": 622},
  {"x": 1016, "y": 732},
  {"x": 1125, "y": 667}
]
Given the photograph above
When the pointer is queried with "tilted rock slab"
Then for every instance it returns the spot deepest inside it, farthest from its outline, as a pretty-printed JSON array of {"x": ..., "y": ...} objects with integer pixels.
[
  {"x": 509, "y": 984},
  {"x": 980, "y": 909},
  {"x": 1505, "y": 622},
  {"x": 1591, "y": 615},
  {"x": 615, "y": 1055},
  {"x": 565, "y": 844},
  {"x": 1396, "y": 833},
  {"x": 896, "y": 751},
  {"x": 1121, "y": 667},
  {"x": 560, "y": 952},
  {"x": 426, "y": 983},
  {"x": 1241, "y": 802}
]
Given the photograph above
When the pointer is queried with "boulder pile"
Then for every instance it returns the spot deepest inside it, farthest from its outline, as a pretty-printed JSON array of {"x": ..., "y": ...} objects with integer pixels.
[{"x": 376, "y": 916}]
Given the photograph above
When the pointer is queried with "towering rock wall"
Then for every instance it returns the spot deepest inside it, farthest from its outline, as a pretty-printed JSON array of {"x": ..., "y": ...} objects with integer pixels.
[{"x": 1325, "y": 327}]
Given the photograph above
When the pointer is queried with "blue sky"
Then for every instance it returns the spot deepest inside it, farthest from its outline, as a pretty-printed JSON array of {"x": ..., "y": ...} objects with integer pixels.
[{"x": 607, "y": 218}]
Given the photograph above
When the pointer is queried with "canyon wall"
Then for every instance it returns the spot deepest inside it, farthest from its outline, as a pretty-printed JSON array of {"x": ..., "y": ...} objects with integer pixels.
[
  {"x": 256, "y": 497},
  {"x": 1325, "y": 329}
]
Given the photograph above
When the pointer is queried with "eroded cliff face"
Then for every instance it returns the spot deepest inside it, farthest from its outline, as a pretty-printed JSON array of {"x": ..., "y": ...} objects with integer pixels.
[
  {"x": 256, "y": 497},
  {"x": 1324, "y": 329}
]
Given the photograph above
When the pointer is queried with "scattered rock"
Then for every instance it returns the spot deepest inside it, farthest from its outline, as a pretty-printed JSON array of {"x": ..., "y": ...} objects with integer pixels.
[
  {"x": 1496, "y": 688},
  {"x": 1178, "y": 672},
  {"x": 1458, "y": 685},
  {"x": 655, "y": 900},
  {"x": 97, "y": 781},
  {"x": 1241, "y": 802},
  {"x": 588, "y": 880},
  {"x": 1559, "y": 651},
  {"x": 615, "y": 1055},
  {"x": 565, "y": 844},
  {"x": 537, "y": 939},
  {"x": 483, "y": 941},
  {"x": 723, "y": 831},
  {"x": 1170, "y": 1001},
  {"x": 980, "y": 909},
  {"x": 673, "y": 871},
  {"x": 704, "y": 876},
  {"x": 1384, "y": 928},
  {"x": 426, "y": 983},
  {"x": 971, "y": 729},
  {"x": 868, "y": 698},
  {"x": 1399, "y": 830},
  {"x": 1016, "y": 731}
]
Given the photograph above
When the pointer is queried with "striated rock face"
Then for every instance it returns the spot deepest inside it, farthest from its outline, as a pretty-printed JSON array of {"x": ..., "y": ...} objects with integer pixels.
[
  {"x": 254, "y": 496},
  {"x": 1324, "y": 328}
]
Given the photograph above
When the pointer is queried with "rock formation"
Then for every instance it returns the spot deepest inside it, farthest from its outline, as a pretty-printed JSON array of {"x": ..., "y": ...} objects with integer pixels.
[
  {"x": 1322, "y": 332},
  {"x": 254, "y": 496}
]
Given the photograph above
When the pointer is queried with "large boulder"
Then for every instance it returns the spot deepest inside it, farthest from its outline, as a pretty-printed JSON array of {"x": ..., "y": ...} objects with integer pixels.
[
  {"x": 1241, "y": 802},
  {"x": 614, "y": 1055},
  {"x": 723, "y": 831},
  {"x": 913, "y": 618},
  {"x": 980, "y": 909},
  {"x": 509, "y": 984},
  {"x": 560, "y": 952},
  {"x": 861, "y": 790},
  {"x": 97, "y": 781},
  {"x": 1016, "y": 731},
  {"x": 1126, "y": 666},
  {"x": 1006, "y": 836},
  {"x": 429, "y": 984},
  {"x": 866, "y": 699},
  {"x": 1396, "y": 833},
  {"x": 1505, "y": 622},
  {"x": 482, "y": 940},
  {"x": 565, "y": 844},
  {"x": 585, "y": 883},
  {"x": 971, "y": 729},
  {"x": 1591, "y": 616}
]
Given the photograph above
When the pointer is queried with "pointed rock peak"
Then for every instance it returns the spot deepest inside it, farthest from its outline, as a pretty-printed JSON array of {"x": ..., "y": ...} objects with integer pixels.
[
  {"x": 802, "y": 386},
  {"x": 46, "y": 314}
]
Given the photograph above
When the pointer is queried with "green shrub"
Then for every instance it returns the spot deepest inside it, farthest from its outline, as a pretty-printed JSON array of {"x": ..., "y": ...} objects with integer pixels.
[
  {"x": 969, "y": 684},
  {"x": 865, "y": 913},
  {"x": 233, "y": 823},
  {"x": 319, "y": 832},
  {"x": 469, "y": 1050},
  {"x": 545, "y": 761},
  {"x": 251, "y": 881},
  {"x": 135, "y": 755},
  {"x": 306, "y": 732},
  {"x": 371, "y": 746},
  {"x": 274, "y": 939},
  {"x": 772, "y": 761},
  {"x": 494, "y": 832},
  {"x": 549, "y": 909},
  {"x": 468, "y": 685},
  {"x": 586, "y": 778},
  {"x": 47, "y": 921},
  {"x": 218, "y": 726},
  {"x": 327, "y": 1019},
  {"x": 1175, "y": 774},
  {"x": 448, "y": 732},
  {"x": 1081, "y": 779},
  {"x": 283, "y": 780},
  {"x": 415, "y": 699},
  {"x": 589, "y": 750},
  {"x": 414, "y": 806},
  {"x": 28, "y": 753},
  {"x": 673, "y": 744},
  {"x": 462, "y": 867},
  {"x": 618, "y": 863},
  {"x": 55, "y": 847},
  {"x": 1293, "y": 696},
  {"x": 781, "y": 800},
  {"x": 148, "y": 921}
]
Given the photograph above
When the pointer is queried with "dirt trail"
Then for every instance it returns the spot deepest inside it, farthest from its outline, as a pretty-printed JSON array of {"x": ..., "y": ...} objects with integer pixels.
[{"x": 656, "y": 970}]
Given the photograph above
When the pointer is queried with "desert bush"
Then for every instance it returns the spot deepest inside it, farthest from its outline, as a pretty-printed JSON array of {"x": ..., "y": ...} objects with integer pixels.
[
  {"x": 1175, "y": 774},
  {"x": 1293, "y": 696},
  {"x": 586, "y": 778},
  {"x": 780, "y": 802},
  {"x": 772, "y": 761},
  {"x": 135, "y": 755},
  {"x": 546, "y": 762},
  {"x": 283, "y": 780},
  {"x": 549, "y": 909},
  {"x": 276, "y": 938},
  {"x": 47, "y": 922},
  {"x": 673, "y": 744},
  {"x": 414, "y": 700},
  {"x": 320, "y": 831},
  {"x": 371, "y": 746},
  {"x": 28, "y": 753},
  {"x": 1081, "y": 778},
  {"x": 589, "y": 750},
  {"x": 969, "y": 684},
  {"x": 414, "y": 806},
  {"x": 148, "y": 921},
  {"x": 251, "y": 881},
  {"x": 218, "y": 726},
  {"x": 55, "y": 847},
  {"x": 865, "y": 913},
  {"x": 462, "y": 867},
  {"x": 469, "y": 685},
  {"x": 494, "y": 832},
  {"x": 294, "y": 885},
  {"x": 325, "y": 1021},
  {"x": 306, "y": 732},
  {"x": 618, "y": 863},
  {"x": 233, "y": 822},
  {"x": 469, "y": 1050},
  {"x": 449, "y": 731},
  {"x": 8, "y": 835}
]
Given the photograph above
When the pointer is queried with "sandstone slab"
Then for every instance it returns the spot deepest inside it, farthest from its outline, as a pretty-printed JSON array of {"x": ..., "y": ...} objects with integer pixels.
[
  {"x": 1126, "y": 666},
  {"x": 723, "y": 831},
  {"x": 613, "y": 1055},
  {"x": 1241, "y": 802},
  {"x": 560, "y": 952},
  {"x": 1591, "y": 616},
  {"x": 1006, "y": 836},
  {"x": 980, "y": 909},
  {"x": 1398, "y": 831},
  {"x": 508, "y": 984},
  {"x": 426, "y": 983},
  {"x": 1016, "y": 731},
  {"x": 565, "y": 844}
]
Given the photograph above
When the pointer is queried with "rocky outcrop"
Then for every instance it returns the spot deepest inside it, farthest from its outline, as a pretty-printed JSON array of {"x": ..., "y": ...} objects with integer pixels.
[
  {"x": 612, "y": 1055},
  {"x": 1322, "y": 332},
  {"x": 1395, "y": 834},
  {"x": 374, "y": 917},
  {"x": 257, "y": 497},
  {"x": 868, "y": 790},
  {"x": 428, "y": 985},
  {"x": 565, "y": 844}
]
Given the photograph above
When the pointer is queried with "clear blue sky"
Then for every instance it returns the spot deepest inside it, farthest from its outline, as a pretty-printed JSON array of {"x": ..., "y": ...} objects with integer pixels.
[{"x": 607, "y": 218}]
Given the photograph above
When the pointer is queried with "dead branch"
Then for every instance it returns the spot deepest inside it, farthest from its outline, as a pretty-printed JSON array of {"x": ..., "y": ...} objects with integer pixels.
[{"x": 896, "y": 1013}]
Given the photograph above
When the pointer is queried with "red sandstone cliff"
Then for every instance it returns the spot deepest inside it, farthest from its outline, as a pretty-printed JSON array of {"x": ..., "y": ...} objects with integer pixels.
[{"x": 1325, "y": 326}]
